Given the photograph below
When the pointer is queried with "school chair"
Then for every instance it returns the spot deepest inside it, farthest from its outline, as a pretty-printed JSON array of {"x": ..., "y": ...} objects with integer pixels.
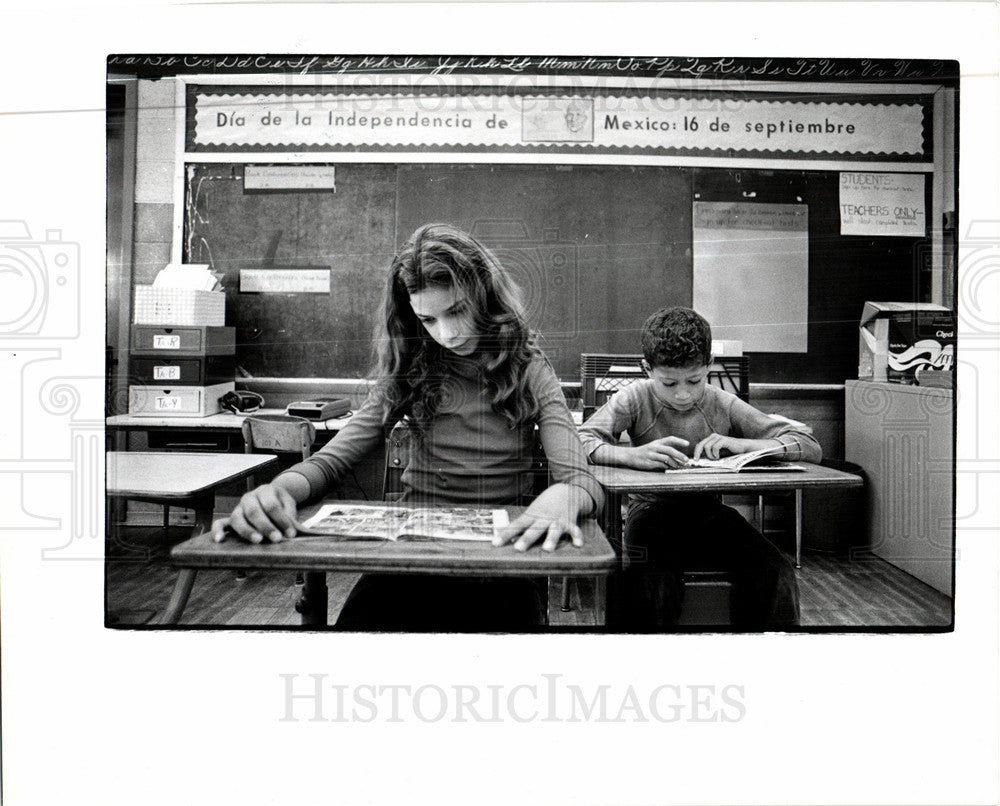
[
  {"x": 397, "y": 457},
  {"x": 707, "y": 591},
  {"x": 603, "y": 374},
  {"x": 280, "y": 434}
]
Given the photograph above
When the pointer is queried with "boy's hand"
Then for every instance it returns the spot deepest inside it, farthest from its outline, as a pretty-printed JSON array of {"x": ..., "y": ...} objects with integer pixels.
[
  {"x": 267, "y": 512},
  {"x": 553, "y": 514},
  {"x": 659, "y": 455},
  {"x": 712, "y": 446}
]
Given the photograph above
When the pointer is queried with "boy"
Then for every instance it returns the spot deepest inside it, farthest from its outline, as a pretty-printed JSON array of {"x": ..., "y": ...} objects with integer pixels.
[{"x": 672, "y": 416}]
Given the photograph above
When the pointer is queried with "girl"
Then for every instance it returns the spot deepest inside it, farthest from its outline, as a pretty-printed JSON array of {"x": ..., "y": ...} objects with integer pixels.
[{"x": 456, "y": 359}]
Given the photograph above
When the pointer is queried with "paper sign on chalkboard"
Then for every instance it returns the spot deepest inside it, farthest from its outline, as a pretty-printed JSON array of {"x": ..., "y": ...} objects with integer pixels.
[
  {"x": 287, "y": 281},
  {"x": 882, "y": 204},
  {"x": 290, "y": 177}
]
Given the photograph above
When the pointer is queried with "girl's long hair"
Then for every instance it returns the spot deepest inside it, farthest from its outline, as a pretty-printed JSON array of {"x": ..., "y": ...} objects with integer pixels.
[{"x": 411, "y": 368}]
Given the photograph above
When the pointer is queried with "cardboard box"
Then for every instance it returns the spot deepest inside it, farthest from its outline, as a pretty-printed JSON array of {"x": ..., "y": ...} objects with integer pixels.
[
  {"x": 185, "y": 340},
  {"x": 177, "y": 401},
  {"x": 898, "y": 338}
]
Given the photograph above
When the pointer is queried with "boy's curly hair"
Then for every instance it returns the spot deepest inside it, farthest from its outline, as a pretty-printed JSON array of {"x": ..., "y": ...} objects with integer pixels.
[{"x": 677, "y": 337}]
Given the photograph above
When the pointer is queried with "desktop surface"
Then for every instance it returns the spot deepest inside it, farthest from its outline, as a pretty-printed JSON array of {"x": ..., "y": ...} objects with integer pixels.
[
  {"x": 627, "y": 480},
  {"x": 450, "y": 557},
  {"x": 181, "y": 475}
]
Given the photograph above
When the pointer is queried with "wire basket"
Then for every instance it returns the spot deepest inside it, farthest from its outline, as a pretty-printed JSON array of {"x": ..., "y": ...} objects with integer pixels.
[{"x": 178, "y": 306}]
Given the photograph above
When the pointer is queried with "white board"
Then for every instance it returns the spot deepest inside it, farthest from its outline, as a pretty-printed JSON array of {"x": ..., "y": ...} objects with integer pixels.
[{"x": 751, "y": 273}]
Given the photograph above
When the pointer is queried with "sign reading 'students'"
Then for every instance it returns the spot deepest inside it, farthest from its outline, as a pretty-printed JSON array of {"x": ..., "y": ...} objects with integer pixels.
[{"x": 882, "y": 204}]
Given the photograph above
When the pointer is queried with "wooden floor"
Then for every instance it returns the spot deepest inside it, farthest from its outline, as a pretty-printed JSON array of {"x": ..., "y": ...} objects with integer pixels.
[{"x": 837, "y": 593}]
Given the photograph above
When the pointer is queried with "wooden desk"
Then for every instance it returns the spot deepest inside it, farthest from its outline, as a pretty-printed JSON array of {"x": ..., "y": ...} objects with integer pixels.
[
  {"x": 179, "y": 479},
  {"x": 316, "y": 556},
  {"x": 618, "y": 481},
  {"x": 224, "y": 421}
]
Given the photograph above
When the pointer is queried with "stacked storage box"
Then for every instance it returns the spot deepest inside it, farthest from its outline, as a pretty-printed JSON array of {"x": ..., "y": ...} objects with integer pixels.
[{"x": 182, "y": 366}]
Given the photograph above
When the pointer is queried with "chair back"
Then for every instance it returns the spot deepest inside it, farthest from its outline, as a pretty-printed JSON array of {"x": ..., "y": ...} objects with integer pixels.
[
  {"x": 603, "y": 374},
  {"x": 733, "y": 375},
  {"x": 278, "y": 433},
  {"x": 397, "y": 457}
]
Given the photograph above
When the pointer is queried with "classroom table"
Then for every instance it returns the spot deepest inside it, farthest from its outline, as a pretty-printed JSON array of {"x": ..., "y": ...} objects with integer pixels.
[
  {"x": 186, "y": 480},
  {"x": 316, "y": 556},
  {"x": 223, "y": 421},
  {"x": 179, "y": 479},
  {"x": 618, "y": 481}
]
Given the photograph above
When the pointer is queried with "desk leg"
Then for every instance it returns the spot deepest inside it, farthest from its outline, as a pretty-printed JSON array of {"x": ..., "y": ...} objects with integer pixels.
[
  {"x": 607, "y": 591},
  {"x": 798, "y": 528},
  {"x": 312, "y": 602},
  {"x": 179, "y": 596},
  {"x": 611, "y": 521},
  {"x": 204, "y": 508}
]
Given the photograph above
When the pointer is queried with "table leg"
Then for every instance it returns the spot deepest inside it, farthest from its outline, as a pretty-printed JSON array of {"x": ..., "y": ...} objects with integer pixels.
[
  {"x": 798, "y": 528},
  {"x": 312, "y": 602},
  {"x": 600, "y": 600},
  {"x": 204, "y": 507},
  {"x": 179, "y": 596}
]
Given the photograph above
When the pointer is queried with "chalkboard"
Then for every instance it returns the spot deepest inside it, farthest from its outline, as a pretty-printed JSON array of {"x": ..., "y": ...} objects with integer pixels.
[
  {"x": 595, "y": 248},
  {"x": 844, "y": 271},
  {"x": 350, "y": 231}
]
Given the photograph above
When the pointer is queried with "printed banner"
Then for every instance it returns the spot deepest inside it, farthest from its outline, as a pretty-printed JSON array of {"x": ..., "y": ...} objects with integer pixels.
[
  {"x": 328, "y": 120},
  {"x": 882, "y": 204}
]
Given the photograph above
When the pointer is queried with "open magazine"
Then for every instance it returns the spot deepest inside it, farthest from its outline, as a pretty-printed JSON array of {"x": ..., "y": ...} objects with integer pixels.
[
  {"x": 388, "y": 522},
  {"x": 764, "y": 459}
]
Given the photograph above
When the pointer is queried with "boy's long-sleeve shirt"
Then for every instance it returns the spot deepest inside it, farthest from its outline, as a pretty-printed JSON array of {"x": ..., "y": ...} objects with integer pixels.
[{"x": 638, "y": 411}]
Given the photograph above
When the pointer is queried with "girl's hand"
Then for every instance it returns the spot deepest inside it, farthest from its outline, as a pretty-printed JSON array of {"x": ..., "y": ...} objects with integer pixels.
[
  {"x": 553, "y": 514},
  {"x": 267, "y": 512},
  {"x": 711, "y": 447},
  {"x": 659, "y": 454}
]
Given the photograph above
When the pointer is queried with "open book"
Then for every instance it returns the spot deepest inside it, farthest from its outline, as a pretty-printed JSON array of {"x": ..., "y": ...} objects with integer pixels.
[
  {"x": 754, "y": 460},
  {"x": 388, "y": 522}
]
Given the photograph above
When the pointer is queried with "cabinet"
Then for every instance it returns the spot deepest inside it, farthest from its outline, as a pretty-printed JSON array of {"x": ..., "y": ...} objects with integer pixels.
[{"x": 903, "y": 438}]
